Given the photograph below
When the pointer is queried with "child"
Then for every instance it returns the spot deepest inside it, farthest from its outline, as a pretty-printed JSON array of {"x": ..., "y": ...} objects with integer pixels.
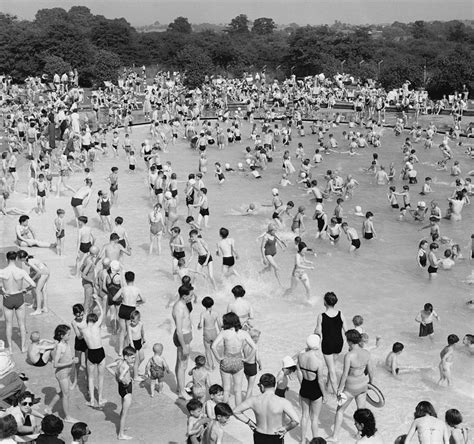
[
  {"x": 201, "y": 379},
  {"x": 124, "y": 377},
  {"x": 136, "y": 337},
  {"x": 426, "y": 186},
  {"x": 113, "y": 180},
  {"x": 210, "y": 323},
  {"x": 214, "y": 433},
  {"x": 216, "y": 393},
  {"x": 202, "y": 163},
  {"x": 252, "y": 360},
  {"x": 288, "y": 368},
  {"x": 391, "y": 362},
  {"x": 103, "y": 208},
  {"x": 115, "y": 143},
  {"x": 334, "y": 231},
  {"x": 122, "y": 233},
  {"x": 156, "y": 368},
  {"x": 218, "y": 173},
  {"x": 425, "y": 318},
  {"x": 458, "y": 435},
  {"x": 39, "y": 351},
  {"x": 447, "y": 263},
  {"x": 59, "y": 228},
  {"x": 40, "y": 186},
  {"x": 284, "y": 180},
  {"x": 368, "y": 230},
  {"x": 196, "y": 422},
  {"x": 297, "y": 225},
  {"x": 357, "y": 321},
  {"x": 132, "y": 161},
  {"x": 339, "y": 210},
  {"x": 447, "y": 354},
  {"x": 80, "y": 346}
]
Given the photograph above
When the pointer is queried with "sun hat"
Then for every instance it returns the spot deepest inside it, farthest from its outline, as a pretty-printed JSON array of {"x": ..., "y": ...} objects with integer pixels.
[{"x": 287, "y": 362}]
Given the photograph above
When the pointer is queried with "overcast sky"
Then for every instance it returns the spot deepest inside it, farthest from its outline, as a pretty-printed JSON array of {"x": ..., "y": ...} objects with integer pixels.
[{"x": 144, "y": 12}]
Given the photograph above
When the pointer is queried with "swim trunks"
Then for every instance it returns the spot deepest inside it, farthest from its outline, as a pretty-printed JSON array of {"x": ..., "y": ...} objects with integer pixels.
[
  {"x": 179, "y": 254},
  {"x": 356, "y": 243},
  {"x": 84, "y": 247},
  {"x": 250, "y": 369},
  {"x": 188, "y": 337},
  {"x": 80, "y": 345},
  {"x": 204, "y": 212},
  {"x": 13, "y": 301},
  {"x": 281, "y": 392},
  {"x": 125, "y": 311},
  {"x": 60, "y": 234},
  {"x": 432, "y": 269},
  {"x": 202, "y": 259},
  {"x": 426, "y": 330},
  {"x": 368, "y": 235},
  {"x": 228, "y": 261},
  {"x": 75, "y": 202},
  {"x": 96, "y": 355},
  {"x": 124, "y": 390},
  {"x": 262, "y": 438},
  {"x": 39, "y": 362},
  {"x": 137, "y": 344}
]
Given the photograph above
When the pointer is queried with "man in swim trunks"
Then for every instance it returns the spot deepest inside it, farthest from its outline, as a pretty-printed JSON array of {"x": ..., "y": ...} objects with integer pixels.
[
  {"x": 268, "y": 409},
  {"x": 182, "y": 336},
  {"x": 13, "y": 289},
  {"x": 130, "y": 295},
  {"x": 95, "y": 354}
]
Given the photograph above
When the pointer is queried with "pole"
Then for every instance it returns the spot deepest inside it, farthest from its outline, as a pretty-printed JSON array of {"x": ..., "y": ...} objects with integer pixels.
[{"x": 342, "y": 66}]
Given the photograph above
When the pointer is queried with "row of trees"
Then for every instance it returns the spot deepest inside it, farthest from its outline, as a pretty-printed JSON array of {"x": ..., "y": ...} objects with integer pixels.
[{"x": 437, "y": 55}]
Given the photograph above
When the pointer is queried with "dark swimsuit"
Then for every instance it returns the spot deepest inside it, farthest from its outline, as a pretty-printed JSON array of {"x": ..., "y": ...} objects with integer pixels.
[
  {"x": 332, "y": 341},
  {"x": 270, "y": 247},
  {"x": 125, "y": 311},
  {"x": 124, "y": 390},
  {"x": 112, "y": 289},
  {"x": 80, "y": 345},
  {"x": 14, "y": 301},
  {"x": 39, "y": 362},
  {"x": 96, "y": 355},
  {"x": 310, "y": 389}
]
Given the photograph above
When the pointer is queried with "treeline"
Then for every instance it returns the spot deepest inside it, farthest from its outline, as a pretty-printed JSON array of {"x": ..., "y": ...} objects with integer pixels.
[{"x": 438, "y": 55}]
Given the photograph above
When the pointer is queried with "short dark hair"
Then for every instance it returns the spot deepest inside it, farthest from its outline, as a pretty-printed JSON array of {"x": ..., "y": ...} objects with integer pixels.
[
  {"x": 231, "y": 320},
  {"x": 60, "y": 331},
  {"x": 78, "y": 430},
  {"x": 207, "y": 302},
  {"x": 366, "y": 419},
  {"x": 83, "y": 219},
  {"x": 330, "y": 298},
  {"x": 128, "y": 351},
  {"x": 223, "y": 409},
  {"x": 184, "y": 290},
  {"x": 92, "y": 317},
  {"x": 223, "y": 232},
  {"x": 118, "y": 221},
  {"x": 353, "y": 336},
  {"x": 238, "y": 291},
  {"x": 194, "y": 404},
  {"x": 52, "y": 425},
  {"x": 453, "y": 339},
  {"x": 214, "y": 389},
  {"x": 8, "y": 427},
  {"x": 114, "y": 236},
  {"x": 397, "y": 347},
  {"x": 11, "y": 255},
  {"x": 425, "y": 408},
  {"x": 77, "y": 308},
  {"x": 23, "y": 218},
  {"x": 453, "y": 417},
  {"x": 267, "y": 380},
  {"x": 129, "y": 276}
]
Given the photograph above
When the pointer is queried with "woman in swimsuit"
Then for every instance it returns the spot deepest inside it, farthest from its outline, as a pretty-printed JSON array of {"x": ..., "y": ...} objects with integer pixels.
[
  {"x": 62, "y": 362},
  {"x": 269, "y": 249},
  {"x": 430, "y": 429},
  {"x": 312, "y": 392},
  {"x": 356, "y": 375},
  {"x": 155, "y": 219},
  {"x": 299, "y": 271},
  {"x": 422, "y": 257},
  {"x": 330, "y": 326},
  {"x": 232, "y": 339},
  {"x": 171, "y": 215}
]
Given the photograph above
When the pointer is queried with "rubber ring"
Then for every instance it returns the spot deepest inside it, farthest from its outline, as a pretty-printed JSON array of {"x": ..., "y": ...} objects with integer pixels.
[{"x": 379, "y": 401}]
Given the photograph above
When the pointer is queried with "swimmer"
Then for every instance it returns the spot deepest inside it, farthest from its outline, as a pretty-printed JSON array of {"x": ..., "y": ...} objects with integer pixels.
[
  {"x": 447, "y": 355},
  {"x": 268, "y": 249},
  {"x": 352, "y": 236},
  {"x": 425, "y": 318},
  {"x": 430, "y": 429},
  {"x": 39, "y": 351},
  {"x": 299, "y": 273},
  {"x": 468, "y": 341},
  {"x": 368, "y": 230},
  {"x": 199, "y": 246},
  {"x": 226, "y": 249}
]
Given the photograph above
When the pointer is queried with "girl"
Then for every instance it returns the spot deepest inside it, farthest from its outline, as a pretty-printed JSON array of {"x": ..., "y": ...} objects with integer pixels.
[
  {"x": 201, "y": 379},
  {"x": 155, "y": 219},
  {"x": 287, "y": 370},
  {"x": 62, "y": 362},
  {"x": 425, "y": 318},
  {"x": 297, "y": 225},
  {"x": 103, "y": 208},
  {"x": 210, "y": 323},
  {"x": 458, "y": 435},
  {"x": 269, "y": 249},
  {"x": 430, "y": 429},
  {"x": 218, "y": 173}
]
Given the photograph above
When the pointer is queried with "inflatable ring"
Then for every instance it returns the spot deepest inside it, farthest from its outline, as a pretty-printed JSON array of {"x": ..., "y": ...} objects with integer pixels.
[{"x": 376, "y": 401}]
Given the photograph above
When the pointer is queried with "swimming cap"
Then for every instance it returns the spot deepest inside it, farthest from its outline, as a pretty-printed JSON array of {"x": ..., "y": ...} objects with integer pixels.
[
  {"x": 288, "y": 361},
  {"x": 252, "y": 206},
  {"x": 115, "y": 266},
  {"x": 421, "y": 204},
  {"x": 168, "y": 195},
  {"x": 358, "y": 209},
  {"x": 319, "y": 207},
  {"x": 313, "y": 342},
  {"x": 227, "y": 166},
  {"x": 240, "y": 165},
  {"x": 274, "y": 191}
]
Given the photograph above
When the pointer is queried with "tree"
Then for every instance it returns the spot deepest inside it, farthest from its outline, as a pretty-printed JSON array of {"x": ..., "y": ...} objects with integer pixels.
[
  {"x": 54, "y": 65},
  {"x": 105, "y": 67},
  {"x": 419, "y": 30},
  {"x": 180, "y": 24},
  {"x": 263, "y": 26},
  {"x": 45, "y": 17},
  {"x": 457, "y": 32},
  {"x": 238, "y": 25}
]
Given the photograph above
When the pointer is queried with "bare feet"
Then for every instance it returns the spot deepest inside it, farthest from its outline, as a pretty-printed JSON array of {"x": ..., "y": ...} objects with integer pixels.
[
  {"x": 36, "y": 312},
  {"x": 124, "y": 437}
]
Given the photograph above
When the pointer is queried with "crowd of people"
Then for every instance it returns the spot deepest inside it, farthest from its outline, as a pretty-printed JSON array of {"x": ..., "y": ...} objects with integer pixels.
[{"x": 58, "y": 144}]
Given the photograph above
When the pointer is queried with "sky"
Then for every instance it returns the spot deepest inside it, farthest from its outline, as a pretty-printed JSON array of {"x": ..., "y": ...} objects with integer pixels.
[{"x": 313, "y": 12}]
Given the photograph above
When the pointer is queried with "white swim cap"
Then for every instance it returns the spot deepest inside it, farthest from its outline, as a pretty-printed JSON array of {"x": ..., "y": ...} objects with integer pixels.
[
  {"x": 274, "y": 191},
  {"x": 288, "y": 361},
  {"x": 319, "y": 207},
  {"x": 227, "y": 166},
  {"x": 168, "y": 195},
  {"x": 313, "y": 342},
  {"x": 358, "y": 209},
  {"x": 421, "y": 204},
  {"x": 115, "y": 266},
  {"x": 240, "y": 165},
  {"x": 248, "y": 161}
]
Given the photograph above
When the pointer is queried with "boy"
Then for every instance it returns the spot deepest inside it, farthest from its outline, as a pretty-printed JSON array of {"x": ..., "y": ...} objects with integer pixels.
[
  {"x": 216, "y": 392},
  {"x": 39, "y": 351},
  {"x": 122, "y": 233},
  {"x": 196, "y": 422},
  {"x": 226, "y": 249},
  {"x": 113, "y": 180},
  {"x": 85, "y": 240},
  {"x": 391, "y": 362},
  {"x": 352, "y": 236},
  {"x": 214, "y": 433},
  {"x": 124, "y": 377},
  {"x": 80, "y": 346},
  {"x": 199, "y": 246},
  {"x": 59, "y": 227}
]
